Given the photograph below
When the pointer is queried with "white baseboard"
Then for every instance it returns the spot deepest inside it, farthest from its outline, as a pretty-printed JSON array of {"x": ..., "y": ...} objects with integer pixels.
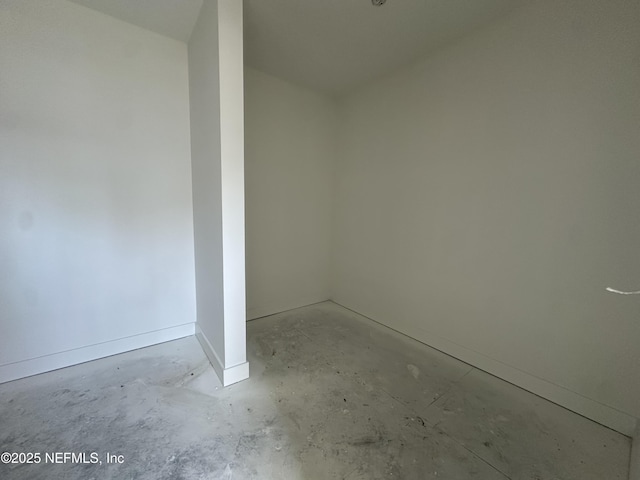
[
  {"x": 259, "y": 312},
  {"x": 54, "y": 361},
  {"x": 229, "y": 375},
  {"x": 593, "y": 410},
  {"x": 634, "y": 463}
]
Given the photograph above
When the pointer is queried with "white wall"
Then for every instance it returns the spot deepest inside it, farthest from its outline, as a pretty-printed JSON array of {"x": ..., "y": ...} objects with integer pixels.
[
  {"x": 634, "y": 463},
  {"x": 217, "y": 145},
  {"x": 96, "y": 244},
  {"x": 488, "y": 194},
  {"x": 204, "y": 86},
  {"x": 290, "y": 147}
]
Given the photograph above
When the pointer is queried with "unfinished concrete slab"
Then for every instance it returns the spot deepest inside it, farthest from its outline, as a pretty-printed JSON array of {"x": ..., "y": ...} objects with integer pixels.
[{"x": 331, "y": 395}]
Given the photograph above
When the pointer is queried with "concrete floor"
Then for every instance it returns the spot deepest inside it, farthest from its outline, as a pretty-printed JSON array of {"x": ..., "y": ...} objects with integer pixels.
[{"x": 331, "y": 396}]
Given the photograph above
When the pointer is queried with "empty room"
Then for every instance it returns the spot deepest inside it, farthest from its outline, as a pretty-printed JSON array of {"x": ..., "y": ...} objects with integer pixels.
[{"x": 336, "y": 239}]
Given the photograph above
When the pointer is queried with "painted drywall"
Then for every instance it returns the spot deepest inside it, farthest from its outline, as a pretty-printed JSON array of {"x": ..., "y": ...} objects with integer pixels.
[
  {"x": 487, "y": 196},
  {"x": 634, "y": 461},
  {"x": 290, "y": 147},
  {"x": 217, "y": 146},
  {"x": 96, "y": 242},
  {"x": 230, "y": 35},
  {"x": 204, "y": 87}
]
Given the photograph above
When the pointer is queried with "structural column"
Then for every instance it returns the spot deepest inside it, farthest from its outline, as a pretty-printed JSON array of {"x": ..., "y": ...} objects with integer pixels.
[{"x": 217, "y": 157}]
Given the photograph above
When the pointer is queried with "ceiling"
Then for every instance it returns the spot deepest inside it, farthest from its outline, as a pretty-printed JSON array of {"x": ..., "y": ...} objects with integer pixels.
[
  {"x": 335, "y": 45},
  {"x": 328, "y": 45},
  {"x": 171, "y": 18}
]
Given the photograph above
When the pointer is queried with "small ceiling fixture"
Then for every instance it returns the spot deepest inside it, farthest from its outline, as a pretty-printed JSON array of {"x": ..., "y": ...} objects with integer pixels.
[{"x": 378, "y": 3}]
